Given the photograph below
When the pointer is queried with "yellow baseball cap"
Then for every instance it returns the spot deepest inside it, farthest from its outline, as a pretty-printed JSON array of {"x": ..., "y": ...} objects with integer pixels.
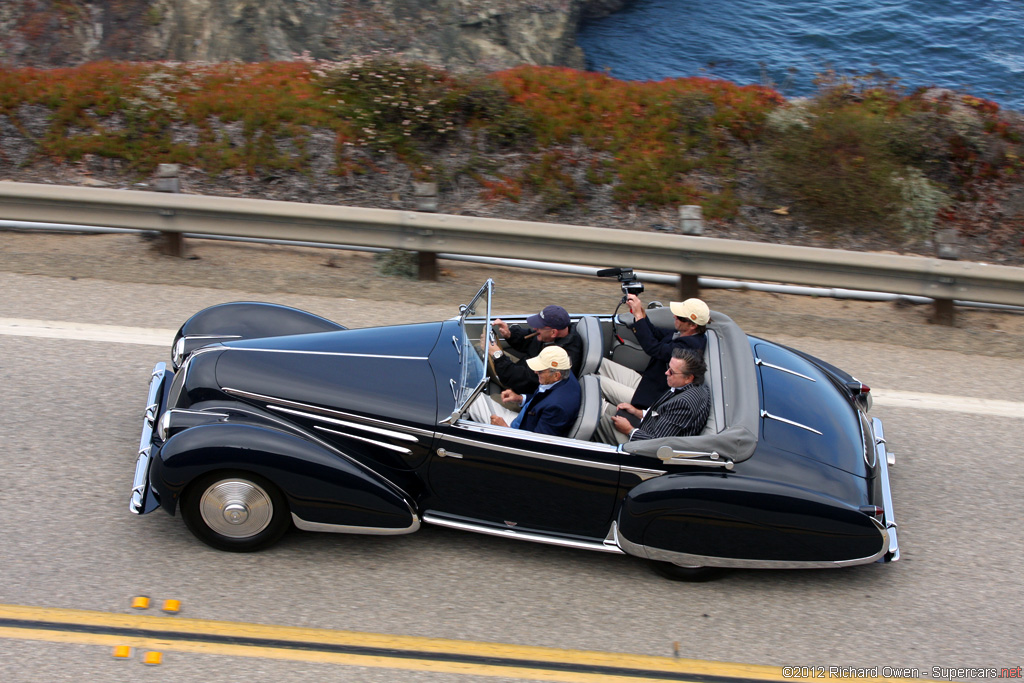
[{"x": 550, "y": 358}]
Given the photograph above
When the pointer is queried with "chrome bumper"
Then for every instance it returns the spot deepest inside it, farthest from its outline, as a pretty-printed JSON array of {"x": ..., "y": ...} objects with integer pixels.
[
  {"x": 885, "y": 459},
  {"x": 143, "y": 500}
]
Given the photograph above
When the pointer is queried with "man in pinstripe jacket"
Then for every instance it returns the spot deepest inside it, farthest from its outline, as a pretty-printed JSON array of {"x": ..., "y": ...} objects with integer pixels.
[{"x": 680, "y": 411}]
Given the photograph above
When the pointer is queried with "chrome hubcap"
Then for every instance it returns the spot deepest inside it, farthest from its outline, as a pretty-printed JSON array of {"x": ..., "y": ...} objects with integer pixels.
[{"x": 236, "y": 508}]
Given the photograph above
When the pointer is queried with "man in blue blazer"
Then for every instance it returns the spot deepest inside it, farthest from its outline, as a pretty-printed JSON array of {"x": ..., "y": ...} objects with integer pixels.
[{"x": 552, "y": 409}]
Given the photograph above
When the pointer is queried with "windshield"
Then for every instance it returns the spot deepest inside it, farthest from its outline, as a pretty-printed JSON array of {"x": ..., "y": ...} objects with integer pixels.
[{"x": 475, "y": 321}]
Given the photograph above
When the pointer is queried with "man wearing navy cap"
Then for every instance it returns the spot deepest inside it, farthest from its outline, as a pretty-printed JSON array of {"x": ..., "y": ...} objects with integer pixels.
[{"x": 551, "y": 327}]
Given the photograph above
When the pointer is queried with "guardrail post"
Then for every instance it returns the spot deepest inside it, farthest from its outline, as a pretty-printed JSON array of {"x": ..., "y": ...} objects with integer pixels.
[
  {"x": 943, "y": 312},
  {"x": 689, "y": 287},
  {"x": 426, "y": 200},
  {"x": 171, "y": 243},
  {"x": 427, "y": 265}
]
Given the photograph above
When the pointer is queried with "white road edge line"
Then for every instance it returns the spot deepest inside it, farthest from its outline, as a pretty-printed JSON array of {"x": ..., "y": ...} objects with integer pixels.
[
  {"x": 890, "y": 398},
  {"x": 53, "y": 329}
]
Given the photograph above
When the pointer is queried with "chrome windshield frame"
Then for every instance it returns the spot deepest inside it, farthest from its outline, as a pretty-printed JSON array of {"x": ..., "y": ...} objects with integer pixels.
[{"x": 466, "y": 393}]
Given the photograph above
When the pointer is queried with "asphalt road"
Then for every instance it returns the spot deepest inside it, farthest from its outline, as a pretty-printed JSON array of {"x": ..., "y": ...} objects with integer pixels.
[{"x": 70, "y": 414}]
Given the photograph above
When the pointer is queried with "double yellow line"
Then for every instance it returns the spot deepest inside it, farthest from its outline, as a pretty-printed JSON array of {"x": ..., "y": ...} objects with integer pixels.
[{"x": 172, "y": 633}]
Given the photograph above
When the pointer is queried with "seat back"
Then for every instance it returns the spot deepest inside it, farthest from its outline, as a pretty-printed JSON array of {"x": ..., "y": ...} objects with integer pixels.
[
  {"x": 589, "y": 329},
  {"x": 590, "y": 409}
]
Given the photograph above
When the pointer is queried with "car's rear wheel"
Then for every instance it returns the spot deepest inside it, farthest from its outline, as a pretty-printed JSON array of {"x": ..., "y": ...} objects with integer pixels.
[
  {"x": 676, "y": 572},
  {"x": 235, "y": 511}
]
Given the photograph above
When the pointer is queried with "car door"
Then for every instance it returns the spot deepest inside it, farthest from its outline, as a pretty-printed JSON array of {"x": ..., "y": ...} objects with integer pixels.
[{"x": 522, "y": 480}]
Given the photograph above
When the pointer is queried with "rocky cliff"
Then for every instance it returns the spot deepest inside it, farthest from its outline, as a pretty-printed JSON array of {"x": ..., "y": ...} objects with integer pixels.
[{"x": 458, "y": 34}]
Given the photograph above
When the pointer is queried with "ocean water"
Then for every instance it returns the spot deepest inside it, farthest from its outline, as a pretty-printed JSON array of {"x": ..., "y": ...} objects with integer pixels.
[{"x": 976, "y": 46}]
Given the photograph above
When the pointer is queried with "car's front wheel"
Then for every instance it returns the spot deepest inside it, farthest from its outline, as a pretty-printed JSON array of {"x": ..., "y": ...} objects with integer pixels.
[
  {"x": 235, "y": 511},
  {"x": 676, "y": 572}
]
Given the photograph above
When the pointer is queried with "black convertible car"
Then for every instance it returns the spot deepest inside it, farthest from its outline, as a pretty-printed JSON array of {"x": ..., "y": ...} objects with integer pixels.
[{"x": 270, "y": 417}]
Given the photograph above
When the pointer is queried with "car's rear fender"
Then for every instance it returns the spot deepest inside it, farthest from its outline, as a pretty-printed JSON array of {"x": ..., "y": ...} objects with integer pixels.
[
  {"x": 706, "y": 519},
  {"x": 325, "y": 490}
]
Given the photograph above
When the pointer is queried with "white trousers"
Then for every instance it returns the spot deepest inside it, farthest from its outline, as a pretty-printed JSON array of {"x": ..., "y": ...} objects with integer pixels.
[
  {"x": 483, "y": 406},
  {"x": 617, "y": 382}
]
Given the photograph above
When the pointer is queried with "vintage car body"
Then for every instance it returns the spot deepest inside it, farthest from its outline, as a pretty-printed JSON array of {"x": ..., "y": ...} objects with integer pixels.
[{"x": 270, "y": 416}]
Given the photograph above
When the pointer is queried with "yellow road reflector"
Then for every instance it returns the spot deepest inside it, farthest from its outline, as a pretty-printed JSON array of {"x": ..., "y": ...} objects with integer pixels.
[
  {"x": 172, "y": 606},
  {"x": 152, "y": 658},
  {"x": 122, "y": 652},
  {"x": 141, "y": 602}
]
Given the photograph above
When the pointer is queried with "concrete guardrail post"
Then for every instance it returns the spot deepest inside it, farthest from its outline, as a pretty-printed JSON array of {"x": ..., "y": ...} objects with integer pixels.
[
  {"x": 691, "y": 222},
  {"x": 171, "y": 243},
  {"x": 426, "y": 200}
]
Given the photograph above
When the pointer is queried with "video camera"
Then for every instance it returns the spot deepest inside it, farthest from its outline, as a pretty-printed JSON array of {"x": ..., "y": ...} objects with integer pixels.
[{"x": 627, "y": 279}]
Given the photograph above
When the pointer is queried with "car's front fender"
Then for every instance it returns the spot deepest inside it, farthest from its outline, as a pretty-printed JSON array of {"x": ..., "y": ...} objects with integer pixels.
[{"x": 324, "y": 489}]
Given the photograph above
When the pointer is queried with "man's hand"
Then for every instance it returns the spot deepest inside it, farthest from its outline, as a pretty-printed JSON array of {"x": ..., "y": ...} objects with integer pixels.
[
  {"x": 620, "y": 423},
  {"x": 509, "y": 396},
  {"x": 636, "y": 307},
  {"x": 630, "y": 408},
  {"x": 502, "y": 328},
  {"x": 498, "y": 421}
]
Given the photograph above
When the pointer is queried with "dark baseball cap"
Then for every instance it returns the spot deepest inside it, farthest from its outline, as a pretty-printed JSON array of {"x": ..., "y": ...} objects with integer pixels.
[{"x": 551, "y": 316}]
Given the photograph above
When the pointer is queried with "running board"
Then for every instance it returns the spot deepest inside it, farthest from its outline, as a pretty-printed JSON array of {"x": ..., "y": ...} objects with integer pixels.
[{"x": 608, "y": 546}]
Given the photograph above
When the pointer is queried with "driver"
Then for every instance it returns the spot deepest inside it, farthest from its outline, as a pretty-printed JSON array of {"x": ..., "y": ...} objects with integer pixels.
[
  {"x": 551, "y": 409},
  {"x": 551, "y": 328}
]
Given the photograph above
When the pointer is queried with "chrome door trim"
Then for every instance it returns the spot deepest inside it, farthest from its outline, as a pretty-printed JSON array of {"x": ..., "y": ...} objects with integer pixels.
[
  {"x": 532, "y": 536},
  {"x": 613, "y": 467},
  {"x": 470, "y": 426}
]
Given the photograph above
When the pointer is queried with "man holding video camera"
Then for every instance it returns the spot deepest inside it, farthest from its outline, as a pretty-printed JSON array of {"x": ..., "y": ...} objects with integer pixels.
[{"x": 620, "y": 384}]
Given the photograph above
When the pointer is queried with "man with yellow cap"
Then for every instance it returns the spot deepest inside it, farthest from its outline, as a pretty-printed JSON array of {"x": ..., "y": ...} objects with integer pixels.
[
  {"x": 552, "y": 409},
  {"x": 620, "y": 384}
]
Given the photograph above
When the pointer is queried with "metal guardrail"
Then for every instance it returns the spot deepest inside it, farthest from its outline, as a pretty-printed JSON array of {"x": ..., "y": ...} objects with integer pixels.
[{"x": 430, "y": 233}]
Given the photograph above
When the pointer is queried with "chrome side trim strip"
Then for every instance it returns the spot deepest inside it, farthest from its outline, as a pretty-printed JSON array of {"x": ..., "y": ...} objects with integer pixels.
[
  {"x": 366, "y": 428},
  {"x": 758, "y": 361},
  {"x": 765, "y": 413},
  {"x": 469, "y": 426},
  {"x": 533, "y": 536},
  {"x": 643, "y": 473},
  {"x": 382, "y": 444},
  {"x": 689, "y": 560},
  {"x": 883, "y": 472},
  {"x": 327, "y": 353},
  {"x": 363, "y": 530},
  {"x": 533, "y": 454},
  {"x": 325, "y": 411}
]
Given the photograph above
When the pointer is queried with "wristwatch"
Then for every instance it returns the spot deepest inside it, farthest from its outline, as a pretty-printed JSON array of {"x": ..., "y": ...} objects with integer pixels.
[{"x": 496, "y": 355}]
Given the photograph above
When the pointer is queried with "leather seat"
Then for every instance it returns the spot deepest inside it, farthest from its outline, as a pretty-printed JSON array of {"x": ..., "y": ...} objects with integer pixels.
[
  {"x": 590, "y": 409},
  {"x": 588, "y": 327}
]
